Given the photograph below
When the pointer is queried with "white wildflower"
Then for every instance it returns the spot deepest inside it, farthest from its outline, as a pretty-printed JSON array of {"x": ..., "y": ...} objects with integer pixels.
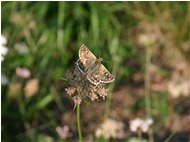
[
  {"x": 4, "y": 49},
  {"x": 111, "y": 129},
  {"x": 4, "y": 79},
  {"x": 3, "y": 40},
  {"x": 21, "y": 48},
  {"x": 141, "y": 124},
  {"x": 23, "y": 72},
  {"x": 135, "y": 124},
  {"x": 179, "y": 87},
  {"x": 146, "y": 124},
  {"x": 63, "y": 132}
]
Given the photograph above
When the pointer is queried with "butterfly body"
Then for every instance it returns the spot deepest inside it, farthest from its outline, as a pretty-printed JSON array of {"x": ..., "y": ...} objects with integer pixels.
[{"x": 92, "y": 67}]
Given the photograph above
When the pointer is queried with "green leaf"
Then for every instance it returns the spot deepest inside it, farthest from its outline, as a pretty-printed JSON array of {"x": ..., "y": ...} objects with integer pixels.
[
  {"x": 44, "y": 138},
  {"x": 45, "y": 101},
  {"x": 136, "y": 140}
]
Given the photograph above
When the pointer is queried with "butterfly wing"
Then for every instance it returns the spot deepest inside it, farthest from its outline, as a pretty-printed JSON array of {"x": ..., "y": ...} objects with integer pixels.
[
  {"x": 106, "y": 76},
  {"x": 80, "y": 66},
  {"x": 100, "y": 75},
  {"x": 96, "y": 72},
  {"x": 94, "y": 78},
  {"x": 86, "y": 59},
  {"x": 86, "y": 56}
]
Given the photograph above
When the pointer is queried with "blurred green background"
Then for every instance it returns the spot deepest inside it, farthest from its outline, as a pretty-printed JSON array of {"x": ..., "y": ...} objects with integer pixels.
[{"x": 145, "y": 45}]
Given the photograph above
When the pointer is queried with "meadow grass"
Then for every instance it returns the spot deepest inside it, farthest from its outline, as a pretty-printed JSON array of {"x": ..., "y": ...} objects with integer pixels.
[{"x": 53, "y": 32}]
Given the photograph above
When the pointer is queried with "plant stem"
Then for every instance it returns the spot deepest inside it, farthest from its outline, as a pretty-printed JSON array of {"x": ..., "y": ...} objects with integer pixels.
[
  {"x": 107, "y": 106},
  {"x": 108, "y": 102},
  {"x": 170, "y": 136},
  {"x": 109, "y": 98},
  {"x": 139, "y": 133},
  {"x": 78, "y": 123},
  {"x": 147, "y": 82},
  {"x": 147, "y": 89}
]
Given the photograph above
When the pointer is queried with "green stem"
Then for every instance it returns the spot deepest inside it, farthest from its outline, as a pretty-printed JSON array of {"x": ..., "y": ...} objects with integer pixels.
[
  {"x": 78, "y": 123},
  {"x": 108, "y": 102},
  {"x": 109, "y": 98},
  {"x": 147, "y": 89},
  {"x": 107, "y": 106},
  {"x": 170, "y": 136},
  {"x": 147, "y": 82},
  {"x": 139, "y": 133}
]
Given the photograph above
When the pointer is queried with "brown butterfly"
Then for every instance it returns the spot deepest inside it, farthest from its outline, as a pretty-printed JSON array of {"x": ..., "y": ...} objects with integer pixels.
[{"x": 88, "y": 64}]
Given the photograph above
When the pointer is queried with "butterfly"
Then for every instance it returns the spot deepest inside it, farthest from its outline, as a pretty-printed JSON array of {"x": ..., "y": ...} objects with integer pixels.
[{"x": 92, "y": 67}]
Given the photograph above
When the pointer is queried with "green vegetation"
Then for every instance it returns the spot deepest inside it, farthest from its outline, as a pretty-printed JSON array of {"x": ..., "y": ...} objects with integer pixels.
[{"x": 45, "y": 37}]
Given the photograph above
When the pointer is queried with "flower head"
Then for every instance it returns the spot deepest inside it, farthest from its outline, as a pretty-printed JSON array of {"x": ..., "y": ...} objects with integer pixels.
[
  {"x": 135, "y": 124},
  {"x": 4, "y": 49},
  {"x": 63, "y": 132},
  {"x": 23, "y": 72},
  {"x": 80, "y": 88},
  {"x": 21, "y": 48},
  {"x": 141, "y": 124},
  {"x": 4, "y": 79},
  {"x": 179, "y": 86},
  {"x": 111, "y": 129},
  {"x": 31, "y": 87}
]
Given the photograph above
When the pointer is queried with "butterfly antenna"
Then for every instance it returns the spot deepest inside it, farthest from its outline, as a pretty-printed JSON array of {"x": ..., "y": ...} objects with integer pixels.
[
  {"x": 106, "y": 61},
  {"x": 99, "y": 52}
]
